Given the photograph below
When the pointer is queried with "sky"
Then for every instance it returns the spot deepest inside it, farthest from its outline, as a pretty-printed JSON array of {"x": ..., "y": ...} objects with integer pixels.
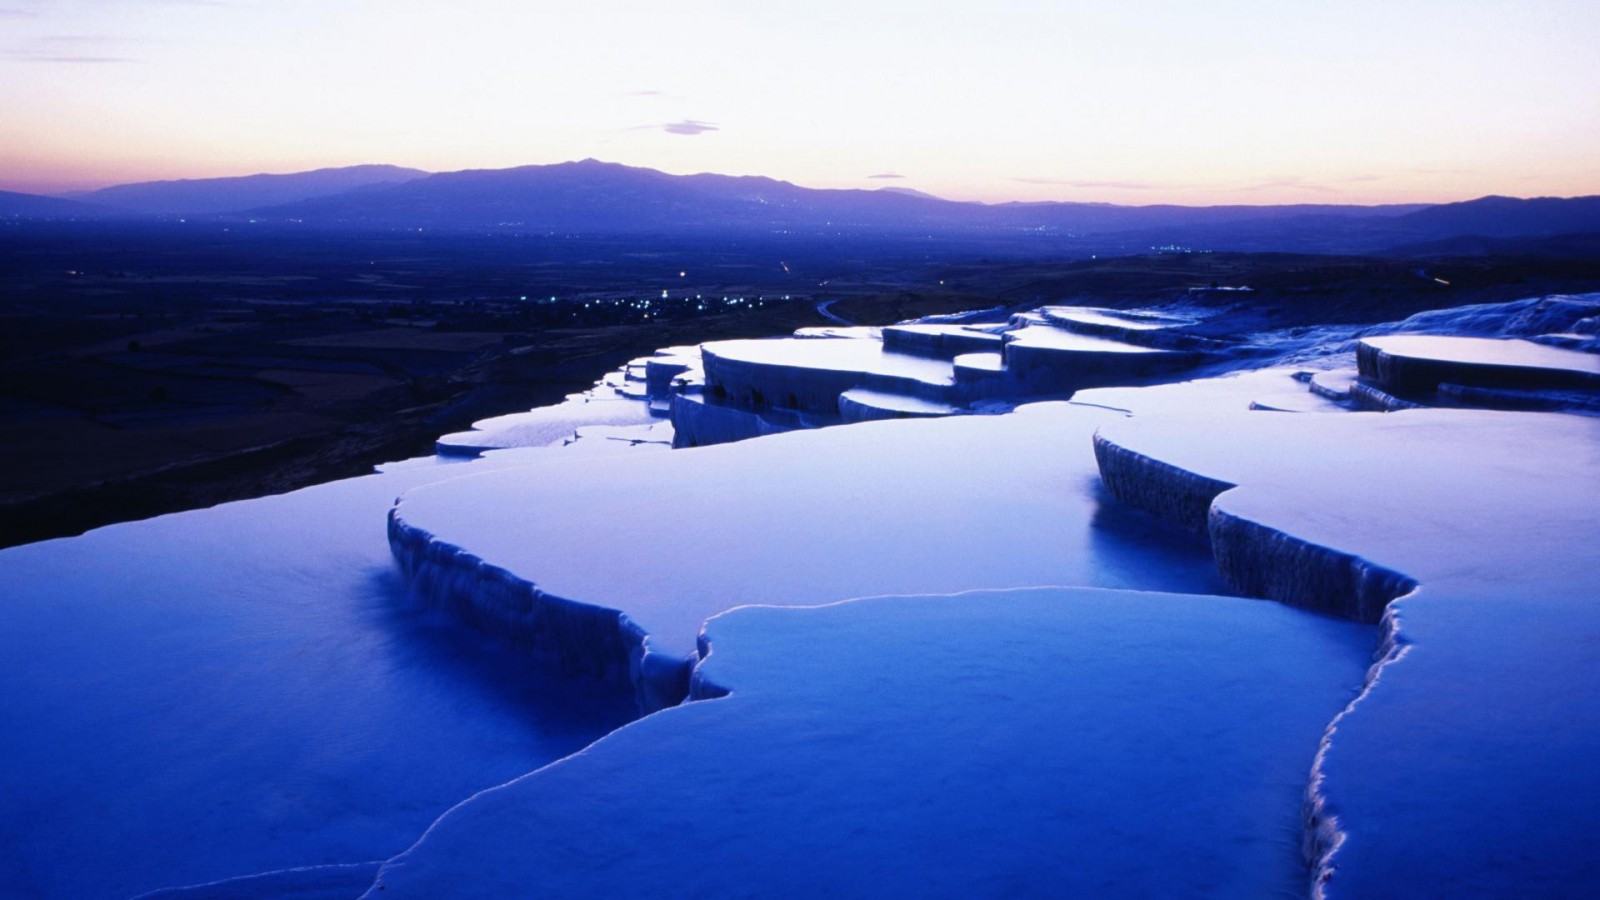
[{"x": 1137, "y": 101}]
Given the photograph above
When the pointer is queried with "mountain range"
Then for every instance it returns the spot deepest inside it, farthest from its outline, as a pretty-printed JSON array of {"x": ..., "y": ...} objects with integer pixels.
[
  {"x": 221, "y": 196},
  {"x": 594, "y": 198}
]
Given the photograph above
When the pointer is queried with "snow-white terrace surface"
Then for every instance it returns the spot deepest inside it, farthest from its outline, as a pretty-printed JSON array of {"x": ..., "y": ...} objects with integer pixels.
[
  {"x": 895, "y": 402},
  {"x": 1486, "y": 352},
  {"x": 1048, "y": 742},
  {"x": 249, "y": 688},
  {"x": 987, "y": 362},
  {"x": 1518, "y": 318},
  {"x": 1467, "y": 767},
  {"x": 1334, "y": 383},
  {"x": 547, "y": 425},
  {"x": 1128, "y": 321},
  {"x": 834, "y": 355},
  {"x": 976, "y": 332},
  {"x": 845, "y": 332},
  {"x": 1204, "y": 398},
  {"x": 1057, "y": 339},
  {"x": 808, "y": 517}
]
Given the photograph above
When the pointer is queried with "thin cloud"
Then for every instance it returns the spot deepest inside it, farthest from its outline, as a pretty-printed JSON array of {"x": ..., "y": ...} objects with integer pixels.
[
  {"x": 644, "y": 94},
  {"x": 688, "y": 127},
  {"x": 886, "y": 175}
]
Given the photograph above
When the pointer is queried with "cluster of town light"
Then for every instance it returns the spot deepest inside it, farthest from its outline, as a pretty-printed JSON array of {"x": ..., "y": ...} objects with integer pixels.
[{"x": 650, "y": 306}]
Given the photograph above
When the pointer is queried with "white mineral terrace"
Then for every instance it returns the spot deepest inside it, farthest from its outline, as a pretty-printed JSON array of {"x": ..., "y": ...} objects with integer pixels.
[
  {"x": 1016, "y": 504},
  {"x": 1487, "y": 352},
  {"x": 1127, "y": 321},
  {"x": 1334, "y": 384},
  {"x": 984, "y": 334},
  {"x": 1057, "y": 339},
  {"x": 833, "y": 355},
  {"x": 1341, "y": 512},
  {"x": 975, "y": 655},
  {"x": 1464, "y": 768},
  {"x": 547, "y": 425},
  {"x": 1261, "y": 388},
  {"x": 982, "y": 362},
  {"x": 891, "y": 403},
  {"x": 1049, "y": 742}
]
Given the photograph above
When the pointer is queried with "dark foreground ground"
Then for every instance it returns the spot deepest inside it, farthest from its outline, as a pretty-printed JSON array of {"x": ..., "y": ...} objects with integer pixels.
[{"x": 150, "y": 370}]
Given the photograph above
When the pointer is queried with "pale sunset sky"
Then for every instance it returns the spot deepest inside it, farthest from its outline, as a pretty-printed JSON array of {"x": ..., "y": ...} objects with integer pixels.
[{"x": 1141, "y": 101}]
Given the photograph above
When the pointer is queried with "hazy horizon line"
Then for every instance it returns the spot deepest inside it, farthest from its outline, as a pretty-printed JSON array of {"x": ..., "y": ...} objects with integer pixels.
[{"x": 75, "y": 189}]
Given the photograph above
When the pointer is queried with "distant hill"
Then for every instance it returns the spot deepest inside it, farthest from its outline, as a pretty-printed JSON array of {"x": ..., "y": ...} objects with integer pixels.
[
  {"x": 214, "y": 196},
  {"x": 591, "y": 197},
  {"x": 909, "y": 192},
  {"x": 1508, "y": 217},
  {"x": 598, "y": 197},
  {"x": 32, "y": 206}
]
